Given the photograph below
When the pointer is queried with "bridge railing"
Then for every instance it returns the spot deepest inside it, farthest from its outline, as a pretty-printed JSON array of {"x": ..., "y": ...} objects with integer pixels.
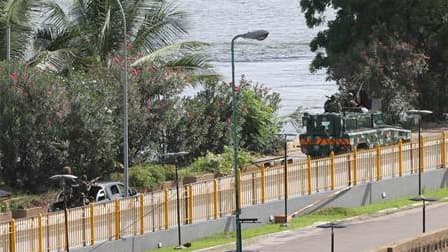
[{"x": 214, "y": 199}]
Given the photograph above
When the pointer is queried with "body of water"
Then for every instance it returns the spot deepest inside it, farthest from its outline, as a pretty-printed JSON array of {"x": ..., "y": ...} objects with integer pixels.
[{"x": 281, "y": 62}]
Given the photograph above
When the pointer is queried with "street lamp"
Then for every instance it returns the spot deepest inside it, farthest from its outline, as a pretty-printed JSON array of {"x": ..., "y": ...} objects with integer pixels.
[
  {"x": 419, "y": 114},
  {"x": 285, "y": 175},
  {"x": 423, "y": 199},
  {"x": 258, "y": 35},
  {"x": 175, "y": 155},
  {"x": 62, "y": 179},
  {"x": 332, "y": 225},
  {"x": 125, "y": 104}
]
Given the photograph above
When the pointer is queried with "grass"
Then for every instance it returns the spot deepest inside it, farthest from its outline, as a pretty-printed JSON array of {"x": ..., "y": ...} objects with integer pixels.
[{"x": 324, "y": 215}]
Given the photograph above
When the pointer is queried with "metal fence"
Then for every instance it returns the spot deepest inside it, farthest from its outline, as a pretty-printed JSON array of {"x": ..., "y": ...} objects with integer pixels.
[{"x": 214, "y": 199}]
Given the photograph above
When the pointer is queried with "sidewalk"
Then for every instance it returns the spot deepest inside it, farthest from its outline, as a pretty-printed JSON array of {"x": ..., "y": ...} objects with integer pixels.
[{"x": 361, "y": 234}]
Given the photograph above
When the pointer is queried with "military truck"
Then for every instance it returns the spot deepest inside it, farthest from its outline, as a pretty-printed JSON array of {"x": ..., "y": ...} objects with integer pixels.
[{"x": 342, "y": 132}]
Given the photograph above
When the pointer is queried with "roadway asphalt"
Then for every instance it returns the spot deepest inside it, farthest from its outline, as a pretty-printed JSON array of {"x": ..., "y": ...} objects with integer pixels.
[{"x": 364, "y": 234}]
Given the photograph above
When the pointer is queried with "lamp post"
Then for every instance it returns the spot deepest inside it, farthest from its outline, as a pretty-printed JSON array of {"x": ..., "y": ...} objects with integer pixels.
[
  {"x": 62, "y": 179},
  {"x": 258, "y": 35},
  {"x": 175, "y": 155},
  {"x": 332, "y": 225},
  {"x": 125, "y": 104},
  {"x": 423, "y": 199},
  {"x": 285, "y": 175},
  {"x": 419, "y": 114}
]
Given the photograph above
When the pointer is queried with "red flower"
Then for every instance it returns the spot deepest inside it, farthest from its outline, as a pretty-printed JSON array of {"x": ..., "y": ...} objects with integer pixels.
[
  {"x": 135, "y": 71},
  {"x": 13, "y": 76}
]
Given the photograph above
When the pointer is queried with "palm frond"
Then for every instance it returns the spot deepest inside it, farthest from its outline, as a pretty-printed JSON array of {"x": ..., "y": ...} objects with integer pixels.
[
  {"x": 57, "y": 60},
  {"x": 56, "y": 15},
  {"x": 171, "y": 53},
  {"x": 162, "y": 25},
  {"x": 105, "y": 29},
  {"x": 51, "y": 38},
  {"x": 17, "y": 12}
]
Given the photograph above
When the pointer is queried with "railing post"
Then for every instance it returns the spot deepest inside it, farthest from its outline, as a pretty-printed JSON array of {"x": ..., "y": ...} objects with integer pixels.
[
  {"x": 215, "y": 199},
  {"x": 40, "y": 233},
  {"x": 84, "y": 242},
  {"x": 400, "y": 158},
  {"x": 355, "y": 166},
  {"x": 422, "y": 152},
  {"x": 165, "y": 203},
  {"x": 332, "y": 170},
  {"x": 117, "y": 219},
  {"x": 190, "y": 203},
  {"x": 378, "y": 162},
  {"x": 12, "y": 236},
  {"x": 308, "y": 173},
  {"x": 142, "y": 214},
  {"x": 443, "y": 150},
  {"x": 92, "y": 226},
  {"x": 263, "y": 183},
  {"x": 239, "y": 188}
]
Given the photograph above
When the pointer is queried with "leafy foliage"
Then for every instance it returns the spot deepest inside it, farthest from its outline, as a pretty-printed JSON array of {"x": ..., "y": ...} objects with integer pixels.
[
  {"x": 32, "y": 111},
  {"x": 212, "y": 106},
  {"x": 92, "y": 32},
  {"x": 388, "y": 48},
  {"x": 220, "y": 164},
  {"x": 149, "y": 175},
  {"x": 18, "y": 16}
]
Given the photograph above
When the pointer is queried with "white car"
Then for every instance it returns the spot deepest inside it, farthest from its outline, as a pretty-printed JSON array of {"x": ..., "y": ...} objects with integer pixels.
[{"x": 103, "y": 191}]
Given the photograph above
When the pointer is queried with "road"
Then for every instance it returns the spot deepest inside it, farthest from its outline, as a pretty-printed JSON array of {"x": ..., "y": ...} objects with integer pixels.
[{"x": 360, "y": 235}]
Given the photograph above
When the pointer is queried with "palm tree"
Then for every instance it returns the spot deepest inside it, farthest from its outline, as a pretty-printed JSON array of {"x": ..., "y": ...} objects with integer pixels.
[
  {"x": 91, "y": 32},
  {"x": 16, "y": 27}
]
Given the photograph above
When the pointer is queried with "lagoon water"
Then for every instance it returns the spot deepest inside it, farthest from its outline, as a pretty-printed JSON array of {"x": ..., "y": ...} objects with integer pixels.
[{"x": 281, "y": 62}]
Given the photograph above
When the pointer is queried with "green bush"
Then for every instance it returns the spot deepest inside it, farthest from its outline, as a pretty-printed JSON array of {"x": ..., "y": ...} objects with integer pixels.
[
  {"x": 3, "y": 207},
  {"x": 220, "y": 164},
  {"x": 149, "y": 175}
]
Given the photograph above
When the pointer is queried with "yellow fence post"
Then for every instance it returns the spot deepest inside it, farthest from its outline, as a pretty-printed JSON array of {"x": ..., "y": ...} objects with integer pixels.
[
  {"x": 443, "y": 150},
  {"x": 215, "y": 199},
  {"x": 378, "y": 162},
  {"x": 92, "y": 227},
  {"x": 190, "y": 203},
  {"x": 117, "y": 219},
  {"x": 400, "y": 158},
  {"x": 422, "y": 154},
  {"x": 165, "y": 203},
  {"x": 308, "y": 173},
  {"x": 355, "y": 166},
  {"x": 12, "y": 236},
  {"x": 263, "y": 184},
  {"x": 142, "y": 214},
  {"x": 239, "y": 188},
  {"x": 332, "y": 170},
  {"x": 40, "y": 233}
]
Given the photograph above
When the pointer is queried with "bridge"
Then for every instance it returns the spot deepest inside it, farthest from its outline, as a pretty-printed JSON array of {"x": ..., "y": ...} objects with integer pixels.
[{"x": 214, "y": 199}]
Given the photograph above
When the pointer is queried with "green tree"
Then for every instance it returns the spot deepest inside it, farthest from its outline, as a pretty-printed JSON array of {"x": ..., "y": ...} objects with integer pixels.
[
  {"x": 206, "y": 122},
  {"x": 391, "y": 49},
  {"x": 92, "y": 33},
  {"x": 18, "y": 17},
  {"x": 32, "y": 112}
]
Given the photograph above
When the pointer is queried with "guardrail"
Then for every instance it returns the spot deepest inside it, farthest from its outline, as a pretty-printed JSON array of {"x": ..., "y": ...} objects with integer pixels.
[{"x": 214, "y": 199}]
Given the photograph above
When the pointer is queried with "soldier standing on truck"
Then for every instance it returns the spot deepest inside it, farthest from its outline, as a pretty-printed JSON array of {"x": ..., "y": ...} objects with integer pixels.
[{"x": 332, "y": 105}]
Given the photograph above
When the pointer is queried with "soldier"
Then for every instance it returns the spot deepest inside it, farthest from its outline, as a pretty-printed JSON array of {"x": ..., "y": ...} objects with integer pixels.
[
  {"x": 67, "y": 170},
  {"x": 332, "y": 105},
  {"x": 84, "y": 185}
]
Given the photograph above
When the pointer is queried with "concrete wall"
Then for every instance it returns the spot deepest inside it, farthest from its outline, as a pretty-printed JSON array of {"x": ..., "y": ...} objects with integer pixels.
[
  {"x": 433, "y": 241},
  {"x": 356, "y": 196}
]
